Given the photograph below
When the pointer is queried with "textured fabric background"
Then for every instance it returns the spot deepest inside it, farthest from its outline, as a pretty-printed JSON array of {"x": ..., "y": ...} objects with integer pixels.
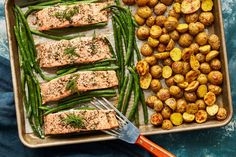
[{"x": 218, "y": 142}]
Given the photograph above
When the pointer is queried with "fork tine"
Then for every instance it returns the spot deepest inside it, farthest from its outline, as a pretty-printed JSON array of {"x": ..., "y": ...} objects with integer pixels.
[
  {"x": 101, "y": 103},
  {"x": 110, "y": 133},
  {"x": 94, "y": 103}
]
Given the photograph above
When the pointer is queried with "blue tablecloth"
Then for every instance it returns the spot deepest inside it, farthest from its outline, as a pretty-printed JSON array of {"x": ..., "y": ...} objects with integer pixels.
[{"x": 218, "y": 142}]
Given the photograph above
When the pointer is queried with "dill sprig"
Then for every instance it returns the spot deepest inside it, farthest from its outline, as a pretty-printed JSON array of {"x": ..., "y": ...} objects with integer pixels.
[
  {"x": 72, "y": 83},
  {"x": 67, "y": 14},
  {"x": 71, "y": 51},
  {"x": 74, "y": 120}
]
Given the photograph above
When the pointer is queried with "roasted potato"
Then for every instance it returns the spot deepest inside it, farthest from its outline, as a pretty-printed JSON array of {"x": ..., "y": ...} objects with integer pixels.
[
  {"x": 193, "y": 86},
  {"x": 151, "y": 60},
  {"x": 150, "y": 21},
  {"x": 155, "y": 85},
  {"x": 166, "y": 72},
  {"x": 145, "y": 81},
  {"x": 201, "y": 38},
  {"x": 178, "y": 78},
  {"x": 188, "y": 117},
  {"x": 207, "y": 5},
  {"x": 163, "y": 94},
  {"x": 171, "y": 23},
  {"x": 200, "y": 57},
  {"x": 176, "y": 54},
  {"x": 190, "y": 6},
  {"x": 139, "y": 20},
  {"x": 183, "y": 85},
  {"x": 158, "y": 105},
  {"x": 162, "y": 55},
  {"x": 205, "y": 68},
  {"x": 176, "y": 118},
  {"x": 200, "y": 26},
  {"x": 153, "y": 42},
  {"x": 167, "y": 62},
  {"x": 194, "y": 47},
  {"x": 142, "y": 67},
  {"x": 167, "y": 2},
  {"x": 160, "y": 9},
  {"x": 166, "y": 112},
  {"x": 177, "y": 7},
  {"x": 177, "y": 67},
  {"x": 214, "y": 89},
  {"x": 221, "y": 114},
  {"x": 214, "y": 41},
  {"x": 206, "y": 18},
  {"x": 215, "y": 77},
  {"x": 156, "y": 71},
  {"x": 192, "y": 75},
  {"x": 170, "y": 45},
  {"x": 186, "y": 68},
  {"x": 176, "y": 91},
  {"x": 160, "y": 20},
  {"x": 182, "y": 28},
  {"x": 191, "y": 18},
  {"x": 185, "y": 40},
  {"x": 171, "y": 103},
  {"x": 215, "y": 64},
  {"x": 146, "y": 50},
  {"x": 202, "y": 79},
  {"x": 155, "y": 31},
  {"x": 170, "y": 81},
  {"x": 144, "y": 12},
  {"x": 129, "y": 2},
  {"x": 211, "y": 55},
  {"x": 152, "y": 3},
  {"x": 194, "y": 63},
  {"x": 190, "y": 96},
  {"x": 192, "y": 108},
  {"x": 161, "y": 48},
  {"x": 201, "y": 104},
  {"x": 164, "y": 38},
  {"x": 156, "y": 119},
  {"x": 174, "y": 35},
  {"x": 186, "y": 54},
  {"x": 141, "y": 2},
  {"x": 150, "y": 101},
  {"x": 210, "y": 98},
  {"x": 193, "y": 29},
  {"x": 205, "y": 49},
  {"x": 212, "y": 110},
  {"x": 143, "y": 32},
  {"x": 201, "y": 91},
  {"x": 201, "y": 116},
  {"x": 181, "y": 105},
  {"x": 167, "y": 124},
  {"x": 174, "y": 14}
]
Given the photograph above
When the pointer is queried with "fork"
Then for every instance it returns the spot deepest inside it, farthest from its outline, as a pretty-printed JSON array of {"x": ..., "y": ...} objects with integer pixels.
[{"x": 128, "y": 132}]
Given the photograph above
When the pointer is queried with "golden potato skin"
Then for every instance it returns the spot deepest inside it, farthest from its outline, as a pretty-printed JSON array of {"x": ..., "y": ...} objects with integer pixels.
[
  {"x": 143, "y": 32},
  {"x": 129, "y": 2},
  {"x": 190, "y": 96},
  {"x": 215, "y": 64},
  {"x": 170, "y": 45},
  {"x": 171, "y": 23},
  {"x": 162, "y": 55},
  {"x": 188, "y": 117},
  {"x": 139, "y": 20},
  {"x": 144, "y": 12},
  {"x": 214, "y": 41},
  {"x": 202, "y": 38},
  {"x": 191, "y": 18},
  {"x": 150, "y": 101},
  {"x": 192, "y": 108},
  {"x": 167, "y": 2},
  {"x": 141, "y": 3},
  {"x": 167, "y": 62},
  {"x": 211, "y": 55},
  {"x": 156, "y": 71},
  {"x": 217, "y": 90},
  {"x": 171, "y": 102},
  {"x": 153, "y": 42},
  {"x": 173, "y": 13},
  {"x": 177, "y": 67},
  {"x": 174, "y": 35},
  {"x": 192, "y": 75},
  {"x": 158, "y": 105},
  {"x": 155, "y": 85},
  {"x": 201, "y": 91},
  {"x": 186, "y": 68},
  {"x": 194, "y": 47},
  {"x": 156, "y": 119},
  {"x": 160, "y": 20},
  {"x": 176, "y": 92},
  {"x": 163, "y": 94},
  {"x": 142, "y": 67},
  {"x": 200, "y": 57},
  {"x": 193, "y": 29},
  {"x": 210, "y": 98},
  {"x": 146, "y": 50},
  {"x": 151, "y": 60},
  {"x": 185, "y": 40},
  {"x": 164, "y": 38},
  {"x": 167, "y": 124},
  {"x": 207, "y": 18},
  {"x": 181, "y": 105},
  {"x": 160, "y": 9},
  {"x": 150, "y": 21},
  {"x": 201, "y": 116},
  {"x": 201, "y": 104},
  {"x": 221, "y": 114},
  {"x": 202, "y": 79},
  {"x": 178, "y": 78},
  {"x": 166, "y": 112},
  {"x": 145, "y": 81},
  {"x": 200, "y": 26},
  {"x": 170, "y": 81},
  {"x": 152, "y": 3},
  {"x": 176, "y": 118},
  {"x": 205, "y": 68},
  {"x": 215, "y": 77},
  {"x": 155, "y": 31}
]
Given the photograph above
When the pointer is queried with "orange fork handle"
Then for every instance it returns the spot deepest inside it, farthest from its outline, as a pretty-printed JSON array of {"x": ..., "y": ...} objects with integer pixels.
[{"x": 152, "y": 147}]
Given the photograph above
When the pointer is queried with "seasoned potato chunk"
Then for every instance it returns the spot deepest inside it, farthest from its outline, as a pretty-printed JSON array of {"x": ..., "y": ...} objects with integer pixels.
[
  {"x": 142, "y": 67},
  {"x": 207, "y": 5},
  {"x": 221, "y": 114},
  {"x": 150, "y": 101},
  {"x": 207, "y": 18},
  {"x": 211, "y": 55},
  {"x": 215, "y": 77},
  {"x": 185, "y": 40},
  {"x": 212, "y": 110},
  {"x": 201, "y": 116},
  {"x": 166, "y": 112},
  {"x": 167, "y": 124},
  {"x": 214, "y": 41},
  {"x": 144, "y": 12},
  {"x": 188, "y": 117},
  {"x": 155, "y": 85},
  {"x": 166, "y": 72},
  {"x": 176, "y": 118},
  {"x": 145, "y": 81},
  {"x": 176, "y": 54},
  {"x": 156, "y": 119},
  {"x": 171, "y": 103},
  {"x": 201, "y": 91},
  {"x": 194, "y": 63},
  {"x": 181, "y": 105},
  {"x": 156, "y": 71},
  {"x": 192, "y": 108},
  {"x": 210, "y": 98},
  {"x": 158, "y": 105},
  {"x": 193, "y": 86},
  {"x": 160, "y": 9},
  {"x": 190, "y": 6},
  {"x": 163, "y": 94}
]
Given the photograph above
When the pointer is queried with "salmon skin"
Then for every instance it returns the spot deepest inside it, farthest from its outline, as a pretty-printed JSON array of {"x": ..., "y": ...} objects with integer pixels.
[
  {"x": 82, "y": 81},
  {"x": 55, "y": 123},
  {"x": 61, "y": 16},
  {"x": 80, "y": 50}
]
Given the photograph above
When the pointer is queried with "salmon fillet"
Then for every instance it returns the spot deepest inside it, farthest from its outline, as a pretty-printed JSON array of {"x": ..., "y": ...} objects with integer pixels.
[
  {"x": 84, "y": 81},
  {"x": 75, "y": 51},
  {"x": 92, "y": 120},
  {"x": 61, "y": 16}
]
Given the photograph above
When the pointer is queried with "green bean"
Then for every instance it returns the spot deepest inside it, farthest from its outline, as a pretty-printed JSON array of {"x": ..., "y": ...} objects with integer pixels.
[
  {"x": 116, "y": 7},
  {"x": 136, "y": 96},
  {"x": 121, "y": 55},
  {"x": 122, "y": 93},
  {"x": 85, "y": 108},
  {"x": 110, "y": 47},
  {"x": 137, "y": 49},
  {"x": 101, "y": 68},
  {"x": 130, "y": 39},
  {"x": 34, "y": 8},
  {"x": 136, "y": 120},
  {"x": 144, "y": 106},
  {"x": 66, "y": 106},
  {"x": 128, "y": 95}
]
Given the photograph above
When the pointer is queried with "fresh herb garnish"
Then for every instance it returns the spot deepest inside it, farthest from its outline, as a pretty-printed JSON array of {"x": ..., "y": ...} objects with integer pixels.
[
  {"x": 92, "y": 45},
  {"x": 74, "y": 120},
  {"x": 67, "y": 14},
  {"x": 71, "y": 51},
  {"x": 72, "y": 83}
]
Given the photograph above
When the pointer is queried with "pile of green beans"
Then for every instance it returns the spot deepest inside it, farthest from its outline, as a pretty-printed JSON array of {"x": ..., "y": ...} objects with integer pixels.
[{"x": 124, "y": 34}]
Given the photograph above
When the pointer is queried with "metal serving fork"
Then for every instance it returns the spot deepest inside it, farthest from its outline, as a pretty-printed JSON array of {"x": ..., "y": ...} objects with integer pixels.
[{"x": 128, "y": 132}]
